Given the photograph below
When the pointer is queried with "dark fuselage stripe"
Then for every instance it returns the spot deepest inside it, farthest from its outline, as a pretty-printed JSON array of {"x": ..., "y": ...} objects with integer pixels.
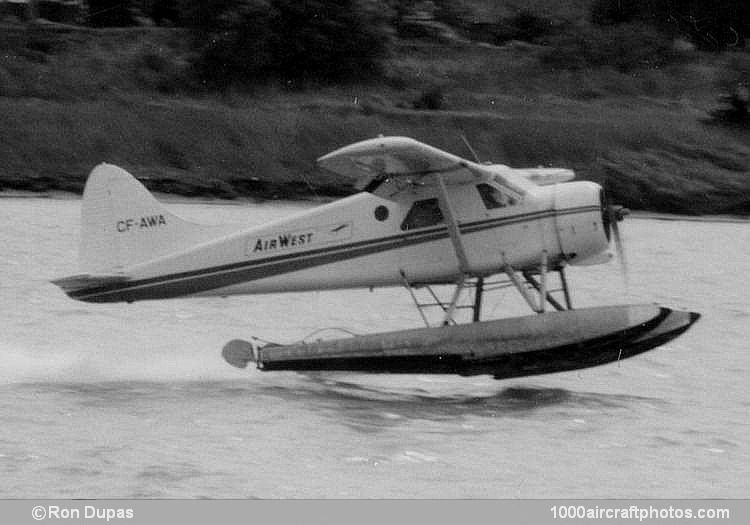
[{"x": 195, "y": 281}]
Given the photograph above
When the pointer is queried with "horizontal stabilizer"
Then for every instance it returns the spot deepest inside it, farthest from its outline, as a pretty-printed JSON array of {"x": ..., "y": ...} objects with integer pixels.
[{"x": 87, "y": 280}]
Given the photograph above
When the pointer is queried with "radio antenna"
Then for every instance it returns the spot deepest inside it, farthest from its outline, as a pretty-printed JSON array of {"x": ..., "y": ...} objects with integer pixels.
[{"x": 474, "y": 153}]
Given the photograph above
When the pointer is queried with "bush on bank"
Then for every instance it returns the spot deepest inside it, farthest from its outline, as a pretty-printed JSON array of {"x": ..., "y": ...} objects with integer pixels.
[
  {"x": 712, "y": 25},
  {"x": 734, "y": 86}
]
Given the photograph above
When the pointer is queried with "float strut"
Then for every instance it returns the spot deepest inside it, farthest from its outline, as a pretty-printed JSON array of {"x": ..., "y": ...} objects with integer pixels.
[
  {"x": 530, "y": 279},
  {"x": 478, "y": 299},
  {"x": 543, "y": 279},
  {"x": 454, "y": 301},
  {"x": 407, "y": 285},
  {"x": 566, "y": 292},
  {"x": 511, "y": 273}
]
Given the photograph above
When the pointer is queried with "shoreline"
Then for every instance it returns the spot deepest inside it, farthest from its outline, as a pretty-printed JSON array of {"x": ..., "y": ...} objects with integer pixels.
[
  {"x": 71, "y": 99},
  {"x": 170, "y": 198}
]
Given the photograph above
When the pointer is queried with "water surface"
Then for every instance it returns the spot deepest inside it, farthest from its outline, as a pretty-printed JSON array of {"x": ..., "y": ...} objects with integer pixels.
[{"x": 120, "y": 401}]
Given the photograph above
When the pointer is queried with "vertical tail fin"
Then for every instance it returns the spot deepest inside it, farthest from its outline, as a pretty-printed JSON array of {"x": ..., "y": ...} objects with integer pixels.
[{"x": 122, "y": 224}]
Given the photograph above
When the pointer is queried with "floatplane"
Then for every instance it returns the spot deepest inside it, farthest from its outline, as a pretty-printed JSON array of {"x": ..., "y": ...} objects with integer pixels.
[{"x": 423, "y": 217}]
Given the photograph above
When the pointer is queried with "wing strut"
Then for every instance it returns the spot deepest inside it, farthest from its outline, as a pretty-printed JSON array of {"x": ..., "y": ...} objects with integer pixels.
[
  {"x": 453, "y": 227},
  {"x": 454, "y": 231}
]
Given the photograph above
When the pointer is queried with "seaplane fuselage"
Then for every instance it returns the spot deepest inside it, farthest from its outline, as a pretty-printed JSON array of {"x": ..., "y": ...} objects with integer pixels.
[{"x": 364, "y": 240}]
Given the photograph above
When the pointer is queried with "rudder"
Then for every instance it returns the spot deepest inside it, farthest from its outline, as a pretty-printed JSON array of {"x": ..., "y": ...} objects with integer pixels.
[{"x": 122, "y": 224}]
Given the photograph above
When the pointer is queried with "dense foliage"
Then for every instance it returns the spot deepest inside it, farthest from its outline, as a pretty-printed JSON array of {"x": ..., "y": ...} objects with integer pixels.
[
  {"x": 525, "y": 25},
  {"x": 243, "y": 41},
  {"x": 625, "y": 47}
]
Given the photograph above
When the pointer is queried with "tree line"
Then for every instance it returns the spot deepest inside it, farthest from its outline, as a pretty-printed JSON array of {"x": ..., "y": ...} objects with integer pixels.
[{"x": 242, "y": 41}]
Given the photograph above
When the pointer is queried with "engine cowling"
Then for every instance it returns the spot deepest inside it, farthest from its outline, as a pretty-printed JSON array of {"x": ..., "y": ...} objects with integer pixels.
[{"x": 582, "y": 223}]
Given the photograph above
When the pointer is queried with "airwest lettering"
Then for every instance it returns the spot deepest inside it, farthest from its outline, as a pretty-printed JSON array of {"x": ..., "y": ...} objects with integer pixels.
[
  {"x": 150, "y": 221},
  {"x": 282, "y": 241}
]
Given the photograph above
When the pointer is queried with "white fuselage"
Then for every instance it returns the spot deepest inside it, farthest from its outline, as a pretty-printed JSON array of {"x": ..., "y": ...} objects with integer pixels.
[{"x": 378, "y": 239}]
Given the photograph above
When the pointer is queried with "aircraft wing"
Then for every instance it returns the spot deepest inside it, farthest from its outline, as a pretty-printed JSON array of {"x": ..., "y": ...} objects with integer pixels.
[{"x": 385, "y": 158}]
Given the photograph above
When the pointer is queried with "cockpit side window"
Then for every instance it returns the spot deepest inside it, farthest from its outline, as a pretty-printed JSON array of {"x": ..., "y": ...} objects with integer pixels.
[
  {"x": 422, "y": 214},
  {"x": 494, "y": 198}
]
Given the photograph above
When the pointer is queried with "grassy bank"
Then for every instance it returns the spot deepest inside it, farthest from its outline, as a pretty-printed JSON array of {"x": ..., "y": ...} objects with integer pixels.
[{"x": 114, "y": 96}]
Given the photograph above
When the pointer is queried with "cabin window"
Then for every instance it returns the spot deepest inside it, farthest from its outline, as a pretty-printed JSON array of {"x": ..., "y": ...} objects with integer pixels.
[
  {"x": 494, "y": 198},
  {"x": 423, "y": 214},
  {"x": 381, "y": 213}
]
